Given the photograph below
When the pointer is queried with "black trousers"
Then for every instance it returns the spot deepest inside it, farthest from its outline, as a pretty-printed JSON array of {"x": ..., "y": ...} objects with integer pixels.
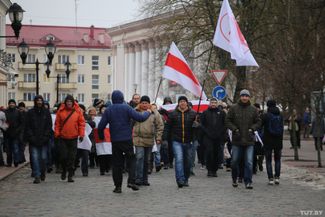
[
  {"x": 212, "y": 153},
  {"x": 104, "y": 163},
  {"x": 118, "y": 149},
  {"x": 68, "y": 153}
]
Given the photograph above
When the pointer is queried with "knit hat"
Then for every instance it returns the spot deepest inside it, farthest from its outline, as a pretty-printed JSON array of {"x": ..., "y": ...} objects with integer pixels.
[
  {"x": 244, "y": 92},
  {"x": 167, "y": 99},
  {"x": 213, "y": 99},
  {"x": 69, "y": 97},
  {"x": 271, "y": 103},
  {"x": 82, "y": 107},
  {"x": 22, "y": 104},
  {"x": 145, "y": 99},
  {"x": 97, "y": 102},
  {"x": 182, "y": 98},
  {"x": 11, "y": 100}
]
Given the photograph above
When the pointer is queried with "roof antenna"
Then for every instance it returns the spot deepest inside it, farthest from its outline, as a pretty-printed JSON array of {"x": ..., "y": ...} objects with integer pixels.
[{"x": 76, "y": 12}]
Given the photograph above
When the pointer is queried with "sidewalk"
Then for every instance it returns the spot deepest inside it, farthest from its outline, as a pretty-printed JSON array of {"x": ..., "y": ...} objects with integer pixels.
[{"x": 7, "y": 171}]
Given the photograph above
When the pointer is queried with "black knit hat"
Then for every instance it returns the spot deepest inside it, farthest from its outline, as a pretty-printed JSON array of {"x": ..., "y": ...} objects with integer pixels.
[
  {"x": 69, "y": 97},
  {"x": 145, "y": 99},
  {"x": 271, "y": 103},
  {"x": 11, "y": 100},
  {"x": 167, "y": 99},
  {"x": 182, "y": 98}
]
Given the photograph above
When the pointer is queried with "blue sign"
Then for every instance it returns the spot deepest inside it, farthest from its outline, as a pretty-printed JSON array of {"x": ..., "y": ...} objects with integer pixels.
[{"x": 219, "y": 92}]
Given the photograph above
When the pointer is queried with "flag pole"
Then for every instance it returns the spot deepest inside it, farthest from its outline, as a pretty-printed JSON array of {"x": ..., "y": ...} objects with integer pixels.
[
  {"x": 158, "y": 89},
  {"x": 206, "y": 70}
]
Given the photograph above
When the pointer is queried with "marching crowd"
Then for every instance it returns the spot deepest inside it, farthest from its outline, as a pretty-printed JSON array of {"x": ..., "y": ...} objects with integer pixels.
[{"x": 144, "y": 138}]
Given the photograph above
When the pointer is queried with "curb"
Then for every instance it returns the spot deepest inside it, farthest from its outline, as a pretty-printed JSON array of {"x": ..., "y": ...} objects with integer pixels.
[{"x": 8, "y": 171}]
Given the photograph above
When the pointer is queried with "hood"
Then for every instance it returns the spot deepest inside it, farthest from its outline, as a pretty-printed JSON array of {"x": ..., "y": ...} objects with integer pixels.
[
  {"x": 117, "y": 97},
  {"x": 274, "y": 110},
  {"x": 37, "y": 98},
  {"x": 75, "y": 106}
]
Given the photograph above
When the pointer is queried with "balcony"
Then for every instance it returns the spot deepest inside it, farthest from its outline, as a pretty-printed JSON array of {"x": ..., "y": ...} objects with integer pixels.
[
  {"x": 26, "y": 85},
  {"x": 62, "y": 67},
  {"x": 21, "y": 66},
  {"x": 68, "y": 86}
]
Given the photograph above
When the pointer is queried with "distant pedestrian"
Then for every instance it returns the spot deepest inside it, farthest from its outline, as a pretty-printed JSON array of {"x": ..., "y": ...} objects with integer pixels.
[
  {"x": 318, "y": 131},
  {"x": 272, "y": 139},
  {"x": 69, "y": 126},
  {"x": 307, "y": 122},
  {"x": 38, "y": 132},
  {"x": 294, "y": 129},
  {"x": 243, "y": 119},
  {"x": 119, "y": 116},
  {"x": 135, "y": 100}
]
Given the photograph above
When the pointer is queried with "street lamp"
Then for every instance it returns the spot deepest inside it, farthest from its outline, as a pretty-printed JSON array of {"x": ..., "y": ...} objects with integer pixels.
[
  {"x": 135, "y": 85},
  {"x": 15, "y": 16},
  {"x": 50, "y": 49}
]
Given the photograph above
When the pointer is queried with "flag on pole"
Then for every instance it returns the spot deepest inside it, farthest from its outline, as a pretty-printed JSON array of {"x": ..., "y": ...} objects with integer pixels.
[
  {"x": 229, "y": 37},
  {"x": 177, "y": 70}
]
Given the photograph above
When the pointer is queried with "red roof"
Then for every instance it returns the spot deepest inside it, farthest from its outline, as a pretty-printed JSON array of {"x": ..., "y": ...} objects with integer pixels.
[{"x": 64, "y": 36}]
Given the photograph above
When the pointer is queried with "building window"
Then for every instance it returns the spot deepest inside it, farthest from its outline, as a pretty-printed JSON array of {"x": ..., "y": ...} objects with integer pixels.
[
  {"x": 109, "y": 60},
  {"x": 81, "y": 79},
  {"x": 12, "y": 57},
  {"x": 29, "y": 77},
  {"x": 31, "y": 58},
  {"x": 62, "y": 97},
  {"x": 29, "y": 96},
  {"x": 81, "y": 98},
  {"x": 63, "y": 79},
  {"x": 47, "y": 97},
  {"x": 95, "y": 81},
  {"x": 62, "y": 59},
  {"x": 12, "y": 95},
  {"x": 95, "y": 62},
  {"x": 81, "y": 59},
  {"x": 109, "y": 79},
  {"x": 94, "y": 96}
]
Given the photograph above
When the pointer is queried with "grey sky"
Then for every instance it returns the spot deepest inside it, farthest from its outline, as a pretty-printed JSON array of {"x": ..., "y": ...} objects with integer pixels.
[{"x": 100, "y": 13}]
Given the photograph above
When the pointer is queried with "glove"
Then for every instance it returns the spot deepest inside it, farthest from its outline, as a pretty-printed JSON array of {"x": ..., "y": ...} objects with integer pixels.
[{"x": 81, "y": 139}]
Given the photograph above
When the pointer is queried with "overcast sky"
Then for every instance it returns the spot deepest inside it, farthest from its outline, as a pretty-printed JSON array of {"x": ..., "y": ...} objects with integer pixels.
[{"x": 100, "y": 13}]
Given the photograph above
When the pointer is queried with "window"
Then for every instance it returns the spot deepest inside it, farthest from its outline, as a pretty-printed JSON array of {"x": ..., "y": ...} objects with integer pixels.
[
  {"x": 31, "y": 58},
  {"x": 47, "y": 97},
  {"x": 109, "y": 60},
  {"x": 12, "y": 57},
  {"x": 95, "y": 81},
  {"x": 109, "y": 79},
  {"x": 81, "y": 79},
  {"x": 62, "y": 97},
  {"x": 94, "y": 96},
  {"x": 29, "y": 96},
  {"x": 81, "y": 59},
  {"x": 29, "y": 77},
  {"x": 63, "y": 79},
  {"x": 11, "y": 95},
  {"x": 62, "y": 59},
  {"x": 81, "y": 98},
  {"x": 95, "y": 60}
]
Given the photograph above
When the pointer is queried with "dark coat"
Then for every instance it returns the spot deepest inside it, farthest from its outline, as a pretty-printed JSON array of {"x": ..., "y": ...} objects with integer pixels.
[
  {"x": 15, "y": 121},
  {"x": 180, "y": 125},
  {"x": 271, "y": 141},
  {"x": 240, "y": 118},
  {"x": 165, "y": 117},
  {"x": 38, "y": 126},
  {"x": 213, "y": 124},
  {"x": 119, "y": 116}
]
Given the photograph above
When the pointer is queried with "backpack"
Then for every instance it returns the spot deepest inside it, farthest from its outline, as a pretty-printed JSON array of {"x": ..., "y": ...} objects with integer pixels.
[{"x": 275, "y": 124}]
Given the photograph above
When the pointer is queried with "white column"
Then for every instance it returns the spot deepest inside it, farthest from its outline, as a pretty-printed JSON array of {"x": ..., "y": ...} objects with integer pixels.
[
  {"x": 126, "y": 71},
  {"x": 114, "y": 67},
  {"x": 144, "y": 68},
  {"x": 137, "y": 67},
  {"x": 151, "y": 71},
  {"x": 158, "y": 71},
  {"x": 131, "y": 70}
]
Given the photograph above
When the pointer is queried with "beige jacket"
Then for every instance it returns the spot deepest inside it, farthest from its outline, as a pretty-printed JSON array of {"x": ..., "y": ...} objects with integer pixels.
[{"x": 144, "y": 133}]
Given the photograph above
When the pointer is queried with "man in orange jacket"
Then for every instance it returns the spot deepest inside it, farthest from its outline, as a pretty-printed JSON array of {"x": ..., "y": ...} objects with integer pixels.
[{"x": 69, "y": 125}]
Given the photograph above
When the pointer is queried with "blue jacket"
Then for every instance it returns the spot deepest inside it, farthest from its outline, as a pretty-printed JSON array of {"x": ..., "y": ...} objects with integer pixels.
[{"x": 119, "y": 117}]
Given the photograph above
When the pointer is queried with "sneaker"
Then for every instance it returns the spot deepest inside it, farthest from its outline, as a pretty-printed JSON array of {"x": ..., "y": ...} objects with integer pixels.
[
  {"x": 249, "y": 186},
  {"x": 271, "y": 182},
  {"x": 158, "y": 168},
  {"x": 277, "y": 181},
  {"x": 134, "y": 187},
  {"x": 37, "y": 180},
  {"x": 43, "y": 177},
  {"x": 117, "y": 190},
  {"x": 70, "y": 179},
  {"x": 63, "y": 176},
  {"x": 180, "y": 185},
  {"x": 202, "y": 167},
  {"x": 234, "y": 184},
  {"x": 146, "y": 184}
]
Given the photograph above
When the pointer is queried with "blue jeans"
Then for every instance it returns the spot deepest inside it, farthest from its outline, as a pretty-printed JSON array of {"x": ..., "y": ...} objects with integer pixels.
[
  {"x": 182, "y": 153},
  {"x": 39, "y": 158},
  {"x": 142, "y": 163},
  {"x": 12, "y": 151},
  {"x": 277, "y": 162},
  {"x": 237, "y": 153}
]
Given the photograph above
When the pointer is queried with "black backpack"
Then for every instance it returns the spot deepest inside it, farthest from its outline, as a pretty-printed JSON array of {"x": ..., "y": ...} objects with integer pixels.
[{"x": 275, "y": 124}]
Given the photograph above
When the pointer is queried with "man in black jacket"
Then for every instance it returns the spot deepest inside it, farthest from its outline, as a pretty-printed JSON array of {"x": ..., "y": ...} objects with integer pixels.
[
  {"x": 38, "y": 132},
  {"x": 180, "y": 126},
  {"x": 214, "y": 130}
]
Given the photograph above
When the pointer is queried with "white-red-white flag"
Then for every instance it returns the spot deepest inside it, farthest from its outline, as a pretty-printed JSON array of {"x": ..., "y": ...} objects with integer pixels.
[
  {"x": 177, "y": 69},
  {"x": 229, "y": 37}
]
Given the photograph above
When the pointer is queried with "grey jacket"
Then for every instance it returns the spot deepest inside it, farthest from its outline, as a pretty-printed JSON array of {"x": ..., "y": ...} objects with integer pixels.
[
  {"x": 318, "y": 127},
  {"x": 3, "y": 123}
]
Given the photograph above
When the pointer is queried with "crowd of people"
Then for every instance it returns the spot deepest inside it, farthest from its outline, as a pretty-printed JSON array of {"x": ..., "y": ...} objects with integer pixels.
[{"x": 144, "y": 137}]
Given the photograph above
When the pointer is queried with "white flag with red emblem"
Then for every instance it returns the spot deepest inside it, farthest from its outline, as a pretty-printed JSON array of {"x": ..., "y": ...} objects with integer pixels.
[
  {"x": 229, "y": 37},
  {"x": 177, "y": 69}
]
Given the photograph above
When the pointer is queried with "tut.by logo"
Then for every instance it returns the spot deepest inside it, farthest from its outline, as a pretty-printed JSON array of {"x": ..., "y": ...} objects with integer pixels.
[{"x": 311, "y": 212}]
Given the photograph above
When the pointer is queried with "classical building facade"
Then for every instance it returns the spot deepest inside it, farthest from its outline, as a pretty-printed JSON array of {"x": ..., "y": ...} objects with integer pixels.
[{"x": 88, "y": 49}]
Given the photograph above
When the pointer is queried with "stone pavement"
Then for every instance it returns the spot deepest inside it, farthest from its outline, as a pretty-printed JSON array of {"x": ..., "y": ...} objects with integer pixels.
[{"x": 92, "y": 196}]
